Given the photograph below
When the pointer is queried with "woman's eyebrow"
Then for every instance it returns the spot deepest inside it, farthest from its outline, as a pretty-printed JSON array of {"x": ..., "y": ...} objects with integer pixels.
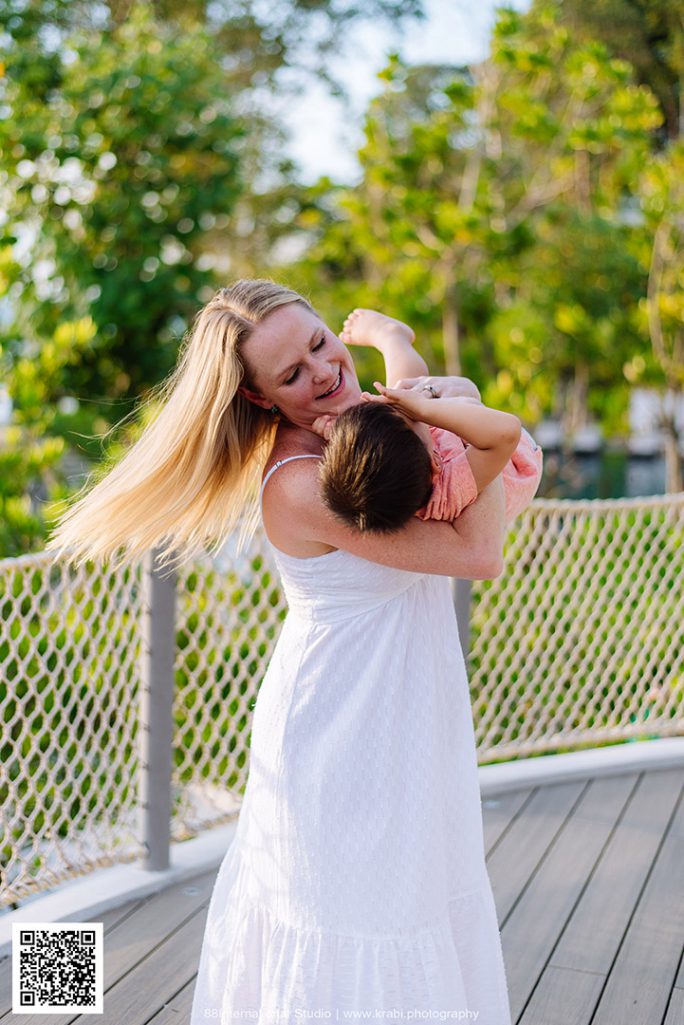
[{"x": 286, "y": 370}]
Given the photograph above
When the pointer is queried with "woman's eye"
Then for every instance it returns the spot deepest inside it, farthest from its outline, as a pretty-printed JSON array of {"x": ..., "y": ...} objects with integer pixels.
[{"x": 296, "y": 372}]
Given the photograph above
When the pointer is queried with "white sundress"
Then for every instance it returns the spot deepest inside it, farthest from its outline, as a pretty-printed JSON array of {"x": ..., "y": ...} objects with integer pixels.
[{"x": 356, "y": 881}]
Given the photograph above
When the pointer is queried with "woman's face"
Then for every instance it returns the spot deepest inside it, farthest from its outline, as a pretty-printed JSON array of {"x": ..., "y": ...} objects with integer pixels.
[{"x": 295, "y": 362}]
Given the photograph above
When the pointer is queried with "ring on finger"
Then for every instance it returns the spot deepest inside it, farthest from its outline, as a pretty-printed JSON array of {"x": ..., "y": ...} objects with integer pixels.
[{"x": 428, "y": 387}]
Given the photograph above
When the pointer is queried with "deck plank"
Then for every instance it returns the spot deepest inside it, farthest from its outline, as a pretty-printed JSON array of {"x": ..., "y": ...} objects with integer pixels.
[
  {"x": 145, "y": 990},
  {"x": 563, "y": 997},
  {"x": 177, "y": 1009},
  {"x": 679, "y": 981},
  {"x": 598, "y": 923},
  {"x": 499, "y": 812},
  {"x": 531, "y": 931},
  {"x": 110, "y": 920},
  {"x": 641, "y": 980},
  {"x": 515, "y": 858},
  {"x": 675, "y": 1012}
]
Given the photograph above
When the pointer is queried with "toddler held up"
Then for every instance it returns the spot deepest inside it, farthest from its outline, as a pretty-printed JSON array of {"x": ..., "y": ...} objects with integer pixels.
[{"x": 404, "y": 452}]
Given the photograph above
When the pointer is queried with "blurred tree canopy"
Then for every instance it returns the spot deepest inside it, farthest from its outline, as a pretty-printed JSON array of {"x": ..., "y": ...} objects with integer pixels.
[
  {"x": 491, "y": 215},
  {"x": 119, "y": 157},
  {"x": 135, "y": 144},
  {"x": 118, "y": 152},
  {"x": 524, "y": 214},
  {"x": 647, "y": 33},
  {"x": 255, "y": 40},
  {"x": 661, "y": 250}
]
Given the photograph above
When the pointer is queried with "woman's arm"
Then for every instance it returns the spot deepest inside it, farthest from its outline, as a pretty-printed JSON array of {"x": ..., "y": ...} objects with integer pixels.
[
  {"x": 471, "y": 547},
  {"x": 443, "y": 386}
]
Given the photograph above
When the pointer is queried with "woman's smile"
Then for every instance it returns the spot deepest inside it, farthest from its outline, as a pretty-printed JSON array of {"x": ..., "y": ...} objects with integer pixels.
[{"x": 336, "y": 387}]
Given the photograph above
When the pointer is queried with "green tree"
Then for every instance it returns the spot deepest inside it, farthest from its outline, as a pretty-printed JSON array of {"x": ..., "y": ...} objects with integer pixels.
[
  {"x": 662, "y": 254},
  {"x": 137, "y": 151},
  {"x": 32, "y": 446},
  {"x": 112, "y": 171},
  {"x": 267, "y": 52},
  {"x": 571, "y": 131},
  {"x": 118, "y": 152},
  {"x": 647, "y": 33},
  {"x": 498, "y": 192}
]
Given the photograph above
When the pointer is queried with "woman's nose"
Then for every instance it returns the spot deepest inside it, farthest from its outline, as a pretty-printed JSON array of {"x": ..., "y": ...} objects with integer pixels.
[{"x": 321, "y": 371}]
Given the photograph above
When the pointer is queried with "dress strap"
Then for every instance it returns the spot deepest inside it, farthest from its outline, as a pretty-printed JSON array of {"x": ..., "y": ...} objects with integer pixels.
[{"x": 307, "y": 455}]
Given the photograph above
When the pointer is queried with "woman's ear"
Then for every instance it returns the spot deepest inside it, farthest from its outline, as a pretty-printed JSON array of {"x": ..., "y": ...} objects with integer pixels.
[{"x": 255, "y": 397}]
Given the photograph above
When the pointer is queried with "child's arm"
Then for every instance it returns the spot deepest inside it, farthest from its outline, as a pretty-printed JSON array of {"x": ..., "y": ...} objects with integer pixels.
[{"x": 491, "y": 434}]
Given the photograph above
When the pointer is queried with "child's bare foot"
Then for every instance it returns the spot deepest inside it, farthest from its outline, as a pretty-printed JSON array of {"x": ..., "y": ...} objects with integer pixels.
[{"x": 368, "y": 327}]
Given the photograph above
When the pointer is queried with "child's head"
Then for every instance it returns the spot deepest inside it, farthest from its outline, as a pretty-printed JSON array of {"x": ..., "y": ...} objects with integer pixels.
[{"x": 377, "y": 469}]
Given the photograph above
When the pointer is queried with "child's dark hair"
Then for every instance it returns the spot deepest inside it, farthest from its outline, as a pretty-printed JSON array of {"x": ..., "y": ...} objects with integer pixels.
[{"x": 375, "y": 472}]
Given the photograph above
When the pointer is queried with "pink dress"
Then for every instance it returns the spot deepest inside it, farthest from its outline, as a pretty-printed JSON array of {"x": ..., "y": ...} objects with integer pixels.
[{"x": 454, "y": 486}]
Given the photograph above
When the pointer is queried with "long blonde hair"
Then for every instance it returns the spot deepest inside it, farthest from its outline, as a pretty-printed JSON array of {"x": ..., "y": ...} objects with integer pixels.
[{"x": 193, "y": 474}]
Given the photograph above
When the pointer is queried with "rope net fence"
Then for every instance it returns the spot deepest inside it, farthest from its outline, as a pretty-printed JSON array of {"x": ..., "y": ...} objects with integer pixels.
[{"x": 579, "y": 642}]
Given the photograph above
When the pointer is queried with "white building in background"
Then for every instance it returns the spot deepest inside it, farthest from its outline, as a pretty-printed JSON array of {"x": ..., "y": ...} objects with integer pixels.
[
  {"x": 646, "y": 407},
  {"x": 646, "y": 437},
  {"x": 5, "y": 406}
]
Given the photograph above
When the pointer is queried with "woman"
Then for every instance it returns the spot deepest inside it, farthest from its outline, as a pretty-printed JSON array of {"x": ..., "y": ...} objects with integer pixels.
[{"x": 356, "y": 880}]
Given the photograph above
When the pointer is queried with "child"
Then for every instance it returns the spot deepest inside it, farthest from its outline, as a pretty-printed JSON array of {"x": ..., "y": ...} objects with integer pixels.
[{"x": 401, "y": 453}]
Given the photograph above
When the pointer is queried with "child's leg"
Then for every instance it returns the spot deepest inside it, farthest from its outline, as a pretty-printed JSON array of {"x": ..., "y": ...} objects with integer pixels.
[{"x": 391, "y": 337}]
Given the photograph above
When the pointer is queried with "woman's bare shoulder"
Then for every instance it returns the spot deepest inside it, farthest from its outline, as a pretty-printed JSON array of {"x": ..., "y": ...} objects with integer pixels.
[{"x": 285, "y": 490}]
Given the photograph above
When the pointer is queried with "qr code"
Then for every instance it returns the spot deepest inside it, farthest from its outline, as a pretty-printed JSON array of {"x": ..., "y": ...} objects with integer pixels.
[{"x": 57, "y": 967}]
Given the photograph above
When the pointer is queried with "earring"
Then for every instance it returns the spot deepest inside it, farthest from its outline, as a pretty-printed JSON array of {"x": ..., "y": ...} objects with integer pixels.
[{"x": 275, "y": 410}]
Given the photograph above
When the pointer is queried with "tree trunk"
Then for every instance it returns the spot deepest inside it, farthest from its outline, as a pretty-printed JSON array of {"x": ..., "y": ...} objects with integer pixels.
[
  {"x": 583, "y": 180},
  {"x": 674, "y": 480},
  {"x": 451, "y": 332},
  {"x": 575, "y": 411}
]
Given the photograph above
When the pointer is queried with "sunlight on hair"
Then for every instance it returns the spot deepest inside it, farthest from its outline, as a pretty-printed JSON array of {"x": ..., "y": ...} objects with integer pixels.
[{"x": 192, "y": 477}]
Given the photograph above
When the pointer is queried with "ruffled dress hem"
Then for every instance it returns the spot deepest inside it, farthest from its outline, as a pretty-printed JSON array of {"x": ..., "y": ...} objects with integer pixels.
[{"x": 262, "y": 968}]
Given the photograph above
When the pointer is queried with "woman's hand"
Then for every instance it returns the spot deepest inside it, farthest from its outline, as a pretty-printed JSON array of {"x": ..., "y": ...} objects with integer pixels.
[{"x": 452, "y": 387}]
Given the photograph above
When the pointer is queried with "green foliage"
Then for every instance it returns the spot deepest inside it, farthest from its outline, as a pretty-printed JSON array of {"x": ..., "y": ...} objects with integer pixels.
[
  {"x": 114, "y": 173},
  {"x": 490, "y": 215},
  {"x": 662, "y": 255},
  {"x": 119, "y": 152},
  {"x": 136, "y": 160},
  {"x": 646, "y": 34}
]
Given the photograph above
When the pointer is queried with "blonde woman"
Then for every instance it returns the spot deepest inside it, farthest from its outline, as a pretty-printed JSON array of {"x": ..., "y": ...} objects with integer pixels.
[{"x": 356, "y": 881}]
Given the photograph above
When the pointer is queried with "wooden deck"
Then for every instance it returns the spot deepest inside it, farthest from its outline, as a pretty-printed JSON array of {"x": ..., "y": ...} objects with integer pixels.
[{"x": 588, "y": 878}]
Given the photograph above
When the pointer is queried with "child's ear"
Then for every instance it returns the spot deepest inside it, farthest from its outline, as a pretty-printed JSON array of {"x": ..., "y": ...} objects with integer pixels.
[{"x": 255, "y": 397}]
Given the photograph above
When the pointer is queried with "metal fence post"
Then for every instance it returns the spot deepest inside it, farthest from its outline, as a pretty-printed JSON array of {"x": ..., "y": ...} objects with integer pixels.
[
  {"x": 156, "y": 711},
  {"x": 461, "y": 590}
]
